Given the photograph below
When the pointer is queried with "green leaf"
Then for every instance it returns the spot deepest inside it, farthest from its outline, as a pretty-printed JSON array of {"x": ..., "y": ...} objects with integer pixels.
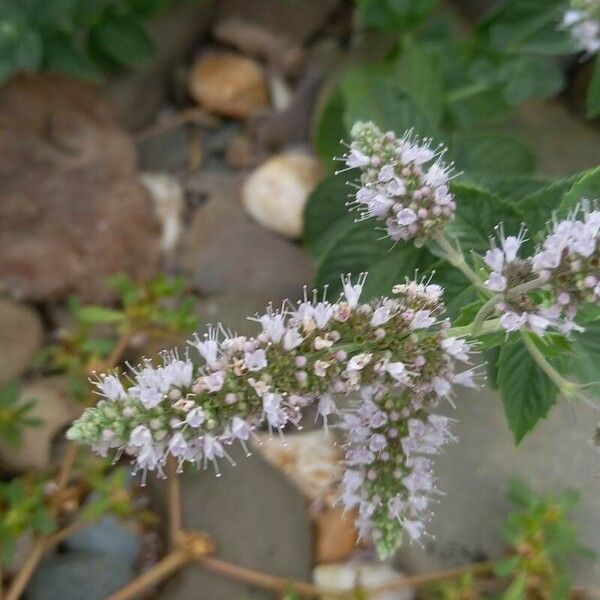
[
  {"x": 586, "y": 185},
  {"x": 99, "y": 314},
  {"x": 63, "y": 56},
  {"x": 122, "y": 40},
  {"x": 527, "y": 392},
  {"x": 477, "y": 213},
  {"x": 325, "y": 211},
  {"x": 593, "y": 93},
  {"x": 492, "y": 156},
  {"x": 521, "y": 494},
  {"x": 27, "y": 54},
  {"x": 586, "y": 349},
  {"x": 371, "y": 94},
  {"x": 360, "y": 249},
  {"x": 537, "y": 208},
  {"x": 393, "y": 15},
  {"x": 506, "y": 566},
  {"x": 330, "y": 130},
  {"x": 516, "y": 590},
  {"x": 531, "y": 77},
  {"x": 417, "y": 73}
]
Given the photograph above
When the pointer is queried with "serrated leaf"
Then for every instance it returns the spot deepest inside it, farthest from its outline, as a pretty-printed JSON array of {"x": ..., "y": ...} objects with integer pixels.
[
  {"x": 531, "y": 77},
  {"x": 325, "y": 211},
  {"x": 586, "y": 185},
  {"x": 492, "y": 156},
  {"x": 360, "y": 249},
  {"x": 586, "y": 350},
  {"x": 330, "y": 130},
  {"x": 477, "y": 213},
  {"x": 527, "y": 392},
  {"x": 593, "y": 93}
]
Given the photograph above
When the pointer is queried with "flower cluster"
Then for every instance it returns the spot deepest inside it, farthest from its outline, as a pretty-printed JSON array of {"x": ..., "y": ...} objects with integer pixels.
[
  {"x": 404, "y": 182},
  {"x": 583, "y": 20},
  {"x": 395, "y": 351},
  {"x": 546, "y": 289}
]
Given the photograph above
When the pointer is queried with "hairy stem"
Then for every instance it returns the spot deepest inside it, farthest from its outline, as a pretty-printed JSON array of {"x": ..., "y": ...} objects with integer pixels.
[
  {"x": 566, "y": 387},
  {"x": 173, "y": 500},
  {"x": 26, "y": 571},
  {"x": 270, "y": 582},
  {"x": 483, "y": 313},
  {"x": 487, "y": 327},
  {"x": 456, "y": 259},
  {"x": 168, "y": 565}
]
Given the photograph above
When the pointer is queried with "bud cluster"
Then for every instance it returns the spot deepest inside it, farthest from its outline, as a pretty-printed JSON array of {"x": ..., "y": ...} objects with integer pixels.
[
  {"x": 395, "y": 351},
  {"x": 404, "y": 182},
  {"x": 583, "y": 21},
  {"x": 546, "y": 289}
]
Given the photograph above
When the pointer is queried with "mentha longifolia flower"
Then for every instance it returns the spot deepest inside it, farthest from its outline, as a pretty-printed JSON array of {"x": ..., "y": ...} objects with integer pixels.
[
  {"x": 546, "y": 289},
  {"x": 583, "y": 21},
  {"x": 394, "y": 351},
  {"x": 404, "y": 182}
]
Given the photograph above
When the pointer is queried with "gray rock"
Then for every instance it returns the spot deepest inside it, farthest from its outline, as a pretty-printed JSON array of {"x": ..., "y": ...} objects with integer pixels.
[
  {"x": 107, "y": 536},
  {"x": 225, "y": 251},
  {"x": 474, "y": 474},
  {"x": 258, "y": 520},
  {"x": 20, "y": 339},
  {"x": 78, "y": 576}
]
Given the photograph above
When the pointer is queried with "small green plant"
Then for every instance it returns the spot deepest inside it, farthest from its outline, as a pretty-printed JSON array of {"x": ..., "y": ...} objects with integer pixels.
[
  {"x": 82, "y": 38},
  {"x": 540, "y": 537},
  {"x": 14, "y": 414}
]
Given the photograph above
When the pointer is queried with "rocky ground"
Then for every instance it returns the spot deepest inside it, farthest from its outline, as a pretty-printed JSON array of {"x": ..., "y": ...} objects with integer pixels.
[{"x": 204, "y": 172}]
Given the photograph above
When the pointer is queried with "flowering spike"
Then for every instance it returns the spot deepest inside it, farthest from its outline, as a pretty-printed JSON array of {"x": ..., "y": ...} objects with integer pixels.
[
  {"x": 404, "y": 182},
  {"x": 394, "y": 351}
]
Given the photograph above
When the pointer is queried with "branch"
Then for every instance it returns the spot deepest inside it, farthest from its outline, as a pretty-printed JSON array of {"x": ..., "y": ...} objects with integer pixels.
[{"x": 173, "y": 500}]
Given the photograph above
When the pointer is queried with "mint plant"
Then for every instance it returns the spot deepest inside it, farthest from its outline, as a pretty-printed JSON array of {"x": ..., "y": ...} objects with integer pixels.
[{"x": 78, "y": 37}]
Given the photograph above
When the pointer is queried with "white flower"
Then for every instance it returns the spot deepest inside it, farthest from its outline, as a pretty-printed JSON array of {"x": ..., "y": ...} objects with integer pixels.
[
  {"x": 511, "y": 321},
  {"x": 292, "y": 339},
  {"x": 406, "y": 216},
  {"x": 466, "y": 379},
  {"x": 207, "y": 348},
  {"x": 178, "y": 445},
  {"x": 441, "y": 386},
  {"x": 352, "y": 291},
  {"x": 359, "y": 361},
  {"x": 111, "y": 387},
  {"x": 141, "y": 437},
  {"x": 195, "y": 417},
  {"x": 397, "y": 370},
  {"x": 273, "y": 326},
  {"x": 496, "y": 282},
  {"x": 322, "y": 314},
  {"x": 494, "y": 258},
  {"x": 457, "y": 347},
  {"x": 255, "y": 361},
  {"x": 422, "y": 319},
  {"x": 356, "y": 158},
  {"x": 214, "y": 382},
  {"x": 212, "y": 447},
  {"x": 240, "y": 429},
  {"x": 326, "y": 405}
]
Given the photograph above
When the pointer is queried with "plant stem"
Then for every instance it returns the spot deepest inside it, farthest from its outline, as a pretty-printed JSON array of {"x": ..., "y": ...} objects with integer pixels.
[
  {"x": 564, "y": 386},
  {"x": 169, "y": 564},
  {"x": 491, "y": 326},
  {"x": 456, "y": 259},
  {"x": 173, "y": 500},
  {"x": 483, "y": 313},
  {"x": 417, "y": 581},
  {"x": 61, "y": 481},
  {"x": 26, "y": 571},
  {"x": 263, "y": 580},
  {"x": 528, "y": 286}
]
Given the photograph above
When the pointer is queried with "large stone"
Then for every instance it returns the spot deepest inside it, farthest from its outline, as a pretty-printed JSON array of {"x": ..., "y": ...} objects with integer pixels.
[
  {"x": 276, "y": 192},
  {"x": 229, "y": 84},
  {"x": 474, "y": 474},
  {"x": 78, "y": 576},
  {"x": 73, "y": 211},
  {"x": 55, "y": 408},
  {"x": 20, "y": 339},
  {"x": 225, "y": 251},
  {"x": 257, "y": 519}
]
